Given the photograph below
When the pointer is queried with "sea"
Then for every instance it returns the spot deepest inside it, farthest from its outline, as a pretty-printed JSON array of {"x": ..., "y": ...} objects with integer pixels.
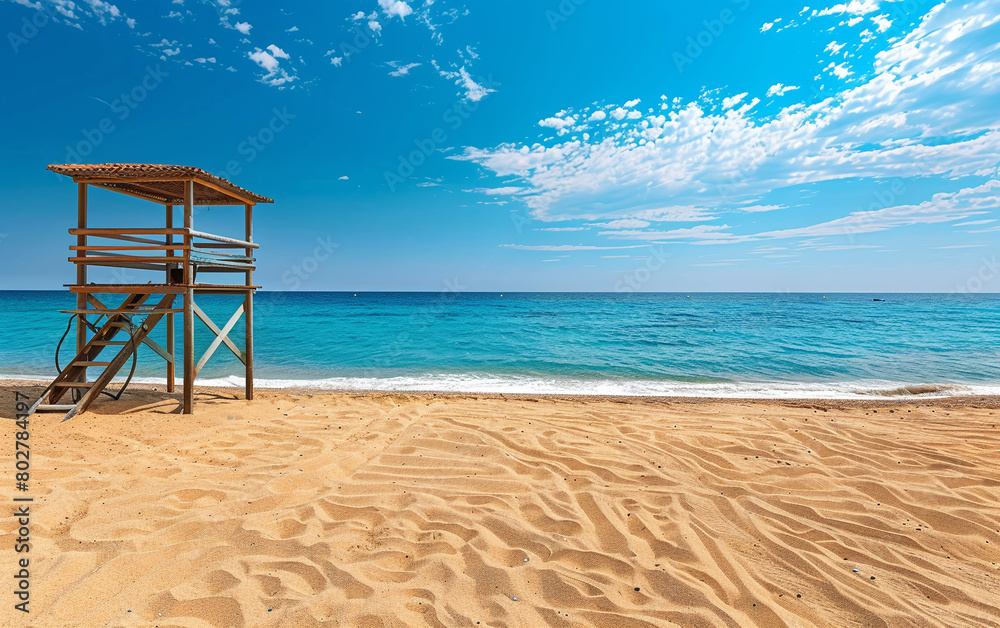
[{"x": 736, "y": 345}]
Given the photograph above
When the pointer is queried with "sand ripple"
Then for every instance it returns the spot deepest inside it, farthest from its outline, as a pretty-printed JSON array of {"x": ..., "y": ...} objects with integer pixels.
[{"x": 392, "y": 510}]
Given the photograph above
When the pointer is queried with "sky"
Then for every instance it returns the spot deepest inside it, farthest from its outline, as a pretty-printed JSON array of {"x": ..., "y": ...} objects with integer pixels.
[{"x": 544, "y": 145}]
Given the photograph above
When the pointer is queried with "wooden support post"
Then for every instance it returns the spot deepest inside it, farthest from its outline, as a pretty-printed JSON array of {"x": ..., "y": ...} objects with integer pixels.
[
  {"x": 248, "y": 307},
  {"x": 170, "y": 317},
  {"x": 188, "y": 300},
  {"x": 81, "y": 273}
]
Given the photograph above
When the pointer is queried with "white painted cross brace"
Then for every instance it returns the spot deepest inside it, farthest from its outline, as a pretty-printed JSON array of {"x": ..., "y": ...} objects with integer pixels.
[{"x": 220, "y": 337}]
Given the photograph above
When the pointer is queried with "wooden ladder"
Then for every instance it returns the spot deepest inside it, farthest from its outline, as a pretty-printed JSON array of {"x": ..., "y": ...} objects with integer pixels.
[{"x": 72, "y": 377}]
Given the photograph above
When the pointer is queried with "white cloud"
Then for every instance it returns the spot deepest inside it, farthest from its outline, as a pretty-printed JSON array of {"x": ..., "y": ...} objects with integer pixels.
[
  {"x": 278, "y": 52},
  {"x": 943, "y": 207},
  {"x": 473, "y": 90},
  {"x": 243, "y": 27},
  {"x": 632, "y": 103},
  {"x": 264, "y": 60},
  {"x": 766, "y": 27},
  {"x": 344, "y": 178},
  {"x": 854, "y": 7},
  {"x": 337, "y": 61},
  {"x": 840, "y": 70},
  {"x": 103, "y": 10},
  {"x": 624, "y": 223},
  {"x": 293, "y": 29},
  {"x": 833, "y": 47},
  {"x": 395, "y": 8},
  {"x": 881, "y": 22},
  {"x": 556, "y": 123},
  {"x": 276, "y": 76},
  {"x": 686, "y": 233},
  {"x": 204, "y": 60},
  {"x": 402, "y": 70},
  {"x": 502, "y": 191},
  {"x": 597, "y": 116},
  {"x": 375, "y": 26},
  {"x": 569, "y": 247},
  {"x": 729, "y": 103},
  {"x": 974, "y": 222},
  {"x": 779, "y": 89},
  {"x": 926, "y": 107},
  {"x": 562, "y": 229}
]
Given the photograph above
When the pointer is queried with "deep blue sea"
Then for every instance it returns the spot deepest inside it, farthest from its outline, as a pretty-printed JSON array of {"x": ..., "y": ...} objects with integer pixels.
[{"x": 736, "y": 345}]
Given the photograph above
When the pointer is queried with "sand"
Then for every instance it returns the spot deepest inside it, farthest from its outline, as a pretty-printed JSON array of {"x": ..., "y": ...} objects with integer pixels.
[{"x": 316, "y": 509}]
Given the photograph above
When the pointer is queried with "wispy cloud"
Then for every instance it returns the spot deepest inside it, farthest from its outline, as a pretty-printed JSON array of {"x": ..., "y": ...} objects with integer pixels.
[
  {"x": 400, "y": 69},
  {"x": 473, "y": 91},
  {"x": 568, "y": 247}
]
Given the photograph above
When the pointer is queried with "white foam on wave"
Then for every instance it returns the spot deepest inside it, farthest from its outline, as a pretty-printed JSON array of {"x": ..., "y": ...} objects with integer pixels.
[
  {"x": 481, "y": 383},
  {"x": 474, "y": 383}
]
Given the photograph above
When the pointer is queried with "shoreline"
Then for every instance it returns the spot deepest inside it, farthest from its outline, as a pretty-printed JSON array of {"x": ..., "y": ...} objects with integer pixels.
[
  {"x": 234, "y": 393},
  {"x": 900, "y": 393}
]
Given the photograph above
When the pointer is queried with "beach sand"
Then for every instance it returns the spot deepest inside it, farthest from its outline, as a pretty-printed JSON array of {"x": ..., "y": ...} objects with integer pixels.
[{"x": 305, "y": 508}]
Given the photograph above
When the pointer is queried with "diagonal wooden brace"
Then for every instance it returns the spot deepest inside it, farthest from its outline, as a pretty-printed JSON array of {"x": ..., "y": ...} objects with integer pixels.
[
  {"x": 163, "y": 353},
  {"x": 220, "y": 337}
]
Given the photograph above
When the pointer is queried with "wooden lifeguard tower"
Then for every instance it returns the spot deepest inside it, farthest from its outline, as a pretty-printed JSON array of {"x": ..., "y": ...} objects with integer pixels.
[{"x": 177, "y": 254}]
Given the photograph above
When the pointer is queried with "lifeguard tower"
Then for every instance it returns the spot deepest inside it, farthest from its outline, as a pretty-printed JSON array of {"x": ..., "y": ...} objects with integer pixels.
[{"x": 180, "y": 255}]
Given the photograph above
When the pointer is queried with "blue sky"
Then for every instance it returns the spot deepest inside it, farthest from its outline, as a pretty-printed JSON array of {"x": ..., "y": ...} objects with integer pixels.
[{"x": 544, "y": 145}]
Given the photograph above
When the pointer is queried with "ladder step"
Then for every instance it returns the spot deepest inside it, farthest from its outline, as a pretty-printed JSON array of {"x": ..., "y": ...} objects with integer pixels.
[
  {"x": 47, "y": 407},
  {"x": 86, "y": 363},
  {"x": 76, "y": 384}
]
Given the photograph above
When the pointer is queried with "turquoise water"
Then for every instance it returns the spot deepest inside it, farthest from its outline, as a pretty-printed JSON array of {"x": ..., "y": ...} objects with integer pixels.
[{"x": 754, "y": 345}]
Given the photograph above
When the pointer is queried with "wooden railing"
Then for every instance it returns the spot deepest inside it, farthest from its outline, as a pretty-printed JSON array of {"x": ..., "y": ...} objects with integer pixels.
[{"x": 150, "y": 253}]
